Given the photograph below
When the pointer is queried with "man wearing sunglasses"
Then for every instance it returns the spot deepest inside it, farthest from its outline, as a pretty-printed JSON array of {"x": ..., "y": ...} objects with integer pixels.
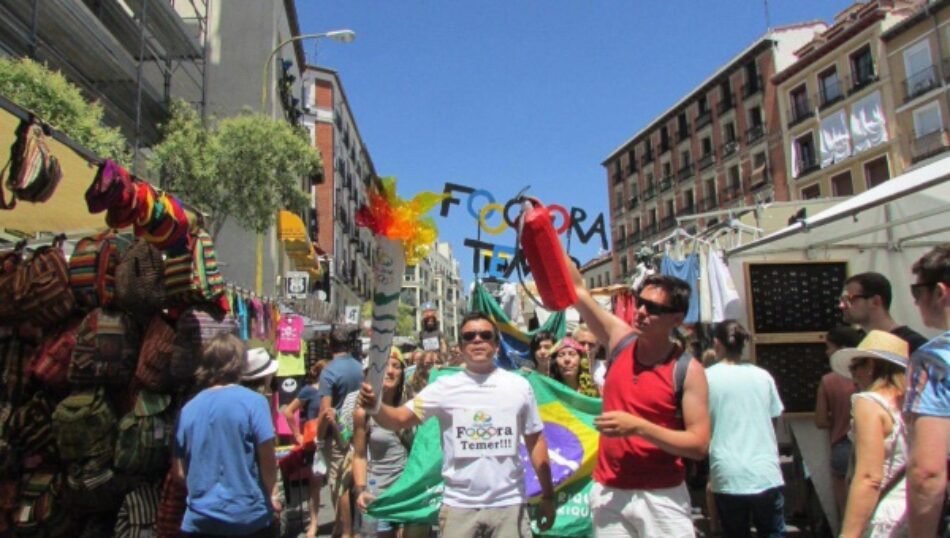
[
  {"x": 927, "y": 402},
  {"x": 483, "y": 413},
  {"x": 866, "y": 301},
  {"x": 647, "y": 427}
]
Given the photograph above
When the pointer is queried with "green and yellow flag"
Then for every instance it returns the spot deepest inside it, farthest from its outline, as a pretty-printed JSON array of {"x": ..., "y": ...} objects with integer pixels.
[{"x": 572, "y": 446}]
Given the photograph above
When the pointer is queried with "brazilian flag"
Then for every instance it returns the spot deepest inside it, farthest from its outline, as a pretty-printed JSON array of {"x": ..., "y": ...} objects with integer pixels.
[{"x": 572, "y": 447}]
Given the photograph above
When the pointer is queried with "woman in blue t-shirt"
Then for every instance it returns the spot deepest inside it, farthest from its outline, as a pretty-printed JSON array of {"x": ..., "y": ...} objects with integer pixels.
[{"x": 224, "y": 450}]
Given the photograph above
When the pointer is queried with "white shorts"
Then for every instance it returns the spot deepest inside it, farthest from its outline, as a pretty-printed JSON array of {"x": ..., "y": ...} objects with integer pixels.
[{"x": 641, "y": 512}]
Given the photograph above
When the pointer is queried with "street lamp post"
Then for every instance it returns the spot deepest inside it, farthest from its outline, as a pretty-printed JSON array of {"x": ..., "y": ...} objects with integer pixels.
[{"x": 343, "y": 36}]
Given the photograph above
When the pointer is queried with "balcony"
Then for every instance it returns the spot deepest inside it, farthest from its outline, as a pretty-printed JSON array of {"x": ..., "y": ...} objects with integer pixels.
[
  {"x": 920, "y": 83},
  {"x": 754, "y": 133},
  {"x": 685, "y": 172},
  {"x": 725, "y": 105},
  {"x": 647, "y": 157},
  {"x": 928, "y": 145},
  {"x": 728, "y": 149},
  {"x": 710, "y": 203},
  {"x": 649, "y": 193},
  {"x": 861, "y": 81},
  {"x": 706, "y": 160},
  {"x": 759, "y": 180},
  {"x": 688, "y": 209},
  {"x": 703, "y": 119},
  {"x": 752, "y": 87},
  {"x": 666, "y": 183},
  {"x": 633, "y": 202},
  {"x": 667, "y": 222},
  {"x": 800, "y": 110},
  {"x": 664, "y": 145},
  {"x": 682, "y": 134},
  {"x": 806, "y": 165},
  {"x": 830, "y": 94}
]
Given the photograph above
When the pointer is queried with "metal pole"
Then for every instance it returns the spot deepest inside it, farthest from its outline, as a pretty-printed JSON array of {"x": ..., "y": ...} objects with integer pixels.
[
  {"x": 138, "y": 89},
  {"x": 33, "y": 23}
]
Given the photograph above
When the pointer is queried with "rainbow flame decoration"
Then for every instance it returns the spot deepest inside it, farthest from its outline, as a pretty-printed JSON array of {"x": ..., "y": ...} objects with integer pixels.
[{"x": 390, "y": 216}]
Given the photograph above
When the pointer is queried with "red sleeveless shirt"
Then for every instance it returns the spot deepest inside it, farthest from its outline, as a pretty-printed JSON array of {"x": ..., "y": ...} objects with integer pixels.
[{"x": 633, "y": 462}]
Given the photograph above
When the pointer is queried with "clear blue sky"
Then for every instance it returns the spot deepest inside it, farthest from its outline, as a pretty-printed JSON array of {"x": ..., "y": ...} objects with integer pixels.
[{"x": 500, "y": 94}]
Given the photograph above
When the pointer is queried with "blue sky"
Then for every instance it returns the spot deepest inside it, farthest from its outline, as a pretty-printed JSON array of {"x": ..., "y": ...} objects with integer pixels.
[{"x": 502, "y": 94}]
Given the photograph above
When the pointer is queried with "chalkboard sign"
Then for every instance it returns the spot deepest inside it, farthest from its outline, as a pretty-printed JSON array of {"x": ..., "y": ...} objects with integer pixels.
[
  {"x": 797, "y": 369},
  {"x": 796, "y": 297}
]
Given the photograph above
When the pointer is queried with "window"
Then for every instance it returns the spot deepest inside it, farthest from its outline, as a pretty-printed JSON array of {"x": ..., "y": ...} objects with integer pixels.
[
  {"x": 664, "y": 138},
  {"x": 755, "y": 116},
  {"x": 703, "y": 105},
  {"x": 632, "y": 161},
  {"x": 805, "y": 155},
  {"x": 667, "y": 170},
  {"x": 735, "y": 180},
  {"x": 919, "y": 68},
  {"x": 623, "y": 266},
  {"x": 635, "y": 229},
  {"x": 710, "y": 190},
  {"x": 618, "y": 202},
  {"x": 798, "y": 99},
  {"x": 707, "y": 146},
  {"x": 684, "y": 159},
  {"x": 729, "y": 132},
  {"x": 829, "y": 87},
  {"x": 841, "y": 184},
  {"x": 688, "y": 199},
  {"x": 862, "y": 68},
  {"x": 927, "y": 119},
  {"x": 669, "y": 208},
  {"x": 876, "y": 172},
  {"x": 682, "y": 125},
  {"x": 622, "y": 232},
  {"x": 725, "y": 94},
  {"x": 758, "y": 161},
  {"x": 811, "y": 192}
]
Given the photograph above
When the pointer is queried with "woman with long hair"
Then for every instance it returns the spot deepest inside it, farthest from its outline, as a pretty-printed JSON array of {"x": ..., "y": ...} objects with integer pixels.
[
  {"x": 877, "y": 496},
  {"x": 744, "y": 470},
  {"x": 379, "y": 455},
  {"x": 224, "y": 449},
  {"x": 540, "y": 351},
  {"x": 571, "y": 368}
]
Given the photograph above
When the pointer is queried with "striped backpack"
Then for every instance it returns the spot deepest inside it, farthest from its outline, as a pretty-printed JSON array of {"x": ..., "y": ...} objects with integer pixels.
[
  {"x": 41, "y": 290},
  {"x": 194, "y": 329},
  {"x": 84, "y": 426},
  {"x": 143, "y": 445},
  {"x": 153, "y": 369},
  {"x": 139, "y": 281},
  {"x": 106, "y": 352},
  {"x": 92, "y": 270},
  {"x": 193, "y": 277},
  {"x": 50, "y": 364}
]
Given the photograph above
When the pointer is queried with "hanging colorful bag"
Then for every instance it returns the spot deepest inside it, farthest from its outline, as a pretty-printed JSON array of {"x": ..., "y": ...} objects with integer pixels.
[
  {"x": 143, "y": 444},
  {"x": 136, "y": 517},
  {"x": 112, "y": 188},
  {"x": 42, "y": 289},
  {"x": 31, "y": 430},
  {"x": 50, "y": 364},
  {"x": 168, "y": 229},
  {"x": 10, "y": 263},
  {"x": 40, "y": 511},
  {"x": 140, "y": 280},
  {"x": 195, "y": 328},
  {"x": 107, "y": 346},
  {"x": 84, "y": 426},
  {"x": 193, "y": 277},
  {"x": 153, "y": 369},
  {"x": 34, "y": 171},
  {"x": 92, "y": 269}
]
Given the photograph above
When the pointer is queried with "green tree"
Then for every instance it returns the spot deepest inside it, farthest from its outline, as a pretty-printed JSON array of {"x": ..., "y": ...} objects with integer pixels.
[
  {"x": 405, "y": 318},
  {"x": 58, "y": 102},
  {"x": 246, "y": 167}
]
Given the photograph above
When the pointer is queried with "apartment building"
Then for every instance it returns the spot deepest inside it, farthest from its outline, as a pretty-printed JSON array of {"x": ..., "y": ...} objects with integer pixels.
[
  {"x": 720, "y": 146},
  {"x": 837, "y": 100},
  {"x": 346, "y": 249},
  {"x": 918, "y": 56},
  {"x": 598, "y": 272},
  {"x": 435, "y": 282}
]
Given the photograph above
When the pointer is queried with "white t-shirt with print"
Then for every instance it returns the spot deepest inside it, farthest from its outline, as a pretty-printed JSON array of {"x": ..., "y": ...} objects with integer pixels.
[{"x": 483, "y": 418}]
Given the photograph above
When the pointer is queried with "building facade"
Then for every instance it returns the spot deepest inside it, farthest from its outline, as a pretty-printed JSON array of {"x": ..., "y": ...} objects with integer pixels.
[
  {"x": 598, "y": 272},
  {"x": 837, "y": 101},
  {"x": 436, "y": 283},
  {"x": 918, "y": 56},
  {"x": 720, "y": 146},
  {"x": 347, "y": 250}
]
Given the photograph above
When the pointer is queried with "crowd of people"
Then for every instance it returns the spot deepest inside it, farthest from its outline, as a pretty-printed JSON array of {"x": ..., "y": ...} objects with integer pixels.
[{"x": 885, "y": 404}]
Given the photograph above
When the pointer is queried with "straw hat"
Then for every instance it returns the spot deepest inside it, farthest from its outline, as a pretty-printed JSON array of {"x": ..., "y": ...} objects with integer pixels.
[
  {"x": 880, "y": 345},
  {"x": 258, "y": 364}
]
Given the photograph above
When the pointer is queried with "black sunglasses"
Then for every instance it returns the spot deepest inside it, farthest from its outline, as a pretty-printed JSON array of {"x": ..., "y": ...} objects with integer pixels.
[
  {"x": 655, "y": 309},
  {"x": 917, "y": 290},
  {"x": 487, "y": 336}
]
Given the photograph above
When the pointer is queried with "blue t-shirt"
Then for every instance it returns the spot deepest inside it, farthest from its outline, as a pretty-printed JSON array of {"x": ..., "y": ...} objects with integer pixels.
[
  {"x": 928, "y": 389},
  {"x": 217, "y": 437},
  {"x": 743, "y": 452},
  {"x": 342, "y": 376},
  {"x": 311, "y": 401}
]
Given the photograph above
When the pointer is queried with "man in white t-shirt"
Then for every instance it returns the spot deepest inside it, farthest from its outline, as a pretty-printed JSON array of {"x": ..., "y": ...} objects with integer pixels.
[{"x": 483, "y": 412}]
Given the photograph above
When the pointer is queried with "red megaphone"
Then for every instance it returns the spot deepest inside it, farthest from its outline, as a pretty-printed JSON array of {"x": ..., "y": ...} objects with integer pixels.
[{"x": 545, "y": 256}]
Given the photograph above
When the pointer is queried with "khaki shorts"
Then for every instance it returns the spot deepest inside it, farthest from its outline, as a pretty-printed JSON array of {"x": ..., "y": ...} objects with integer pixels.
[
  {"x": 339, "y": 471},
  {"x": 502, "y": 522}
]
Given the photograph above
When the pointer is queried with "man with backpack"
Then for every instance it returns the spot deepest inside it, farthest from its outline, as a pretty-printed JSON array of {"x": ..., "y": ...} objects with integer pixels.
[{"x": 655, "y": 413}]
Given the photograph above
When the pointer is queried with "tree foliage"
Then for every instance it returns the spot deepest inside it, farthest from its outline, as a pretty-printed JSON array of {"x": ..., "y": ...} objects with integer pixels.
[
  {"x": 405, "y": 318},
  {"x": 246, "y": 167},
  {"x": 58, "y": 102}
]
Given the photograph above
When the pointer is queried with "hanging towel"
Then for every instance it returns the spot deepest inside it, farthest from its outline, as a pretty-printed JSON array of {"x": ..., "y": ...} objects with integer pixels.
[
  {"x": 687, "y": 270},
  {"x": 868, "y": 125},
  {"x": 244, "y": 322},
  {"x": 705, "y": 291},
  {"x": 725, "y": 298}
]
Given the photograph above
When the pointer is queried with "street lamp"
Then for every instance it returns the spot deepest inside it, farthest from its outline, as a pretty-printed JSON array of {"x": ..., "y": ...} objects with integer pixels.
[{"x": 343, "y": 36}]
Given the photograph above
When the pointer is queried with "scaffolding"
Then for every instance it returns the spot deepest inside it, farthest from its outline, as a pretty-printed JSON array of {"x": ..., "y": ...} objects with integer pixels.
[{"x": 110, "y": 47}]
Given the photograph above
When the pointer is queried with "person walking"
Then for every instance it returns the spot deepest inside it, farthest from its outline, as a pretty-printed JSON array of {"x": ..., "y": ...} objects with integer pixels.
[
  {"x": 877, "y": 496},
  {"x": 744, "y": 469},
  {"x": 483, "y": 413},
  {"x": 224, "y": 450}
]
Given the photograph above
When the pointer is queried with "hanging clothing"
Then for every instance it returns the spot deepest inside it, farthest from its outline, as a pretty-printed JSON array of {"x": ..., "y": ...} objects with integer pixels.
[
  {"x": 724, "y": 297},
  {"x": 868, "y": 125},
  {"x": 260, "y": 330},
  {"x": 687, "y": 270},
  {"x": 705, "y": 291},
  {"x": 289, "y": 334},
  {"x": 625, "y": 307},
  {"x": 835, "y": 139}
]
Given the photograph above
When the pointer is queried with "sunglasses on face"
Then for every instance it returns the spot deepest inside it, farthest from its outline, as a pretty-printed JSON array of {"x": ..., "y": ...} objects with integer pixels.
[
  {"x": 917, "y": 290},
  {"x": 848, "y": 298},
  {"x": 487, "y": 336},
  {"x": 655, "y": 309}
]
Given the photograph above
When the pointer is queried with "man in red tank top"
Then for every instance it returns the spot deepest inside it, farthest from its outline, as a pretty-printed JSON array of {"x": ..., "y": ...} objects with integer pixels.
[{"x": 639, "y": 487}]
